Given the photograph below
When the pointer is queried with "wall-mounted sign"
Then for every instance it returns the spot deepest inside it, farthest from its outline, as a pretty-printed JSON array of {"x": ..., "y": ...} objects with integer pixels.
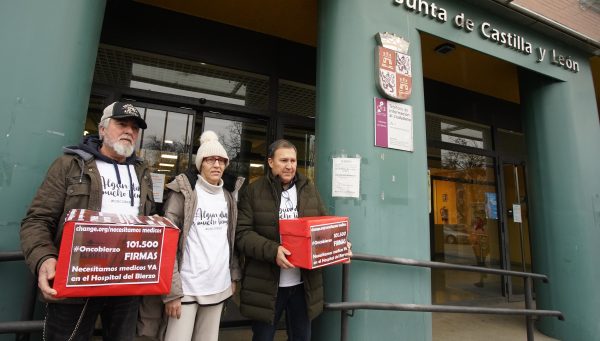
[
  {"x": 393, "y": 125},
  {"x": 394, "y": 75},
  {"x": 488, "y": 31}
]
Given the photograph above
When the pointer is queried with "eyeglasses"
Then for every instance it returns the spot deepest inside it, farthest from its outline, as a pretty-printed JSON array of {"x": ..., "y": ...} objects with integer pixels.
[
  {"x": 212, "y": 159},
  {"x": 288, "y": 202}
]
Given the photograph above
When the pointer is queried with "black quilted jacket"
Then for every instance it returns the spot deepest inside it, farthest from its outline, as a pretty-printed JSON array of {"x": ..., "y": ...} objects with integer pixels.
[{"x": 257, "y": 238}]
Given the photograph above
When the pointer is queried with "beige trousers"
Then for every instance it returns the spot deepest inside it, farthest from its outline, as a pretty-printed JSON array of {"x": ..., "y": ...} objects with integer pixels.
[{"x": 197, "y": 322}]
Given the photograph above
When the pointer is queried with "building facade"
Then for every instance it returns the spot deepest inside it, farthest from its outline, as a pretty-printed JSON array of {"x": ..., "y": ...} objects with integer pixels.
[{"x": 488, "y": 156}]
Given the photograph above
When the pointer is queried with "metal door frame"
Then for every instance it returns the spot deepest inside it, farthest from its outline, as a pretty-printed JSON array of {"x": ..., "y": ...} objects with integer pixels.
[{"x": 503, "y": 207}]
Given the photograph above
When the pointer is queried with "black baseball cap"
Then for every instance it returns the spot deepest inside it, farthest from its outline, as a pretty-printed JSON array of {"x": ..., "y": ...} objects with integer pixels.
[{"x": 123, "y": 110}]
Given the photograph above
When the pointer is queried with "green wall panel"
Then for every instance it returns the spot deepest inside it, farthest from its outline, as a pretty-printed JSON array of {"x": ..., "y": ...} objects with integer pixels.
[
  {"x": 563, "y": 135},
  {"x": 48, "y": 54},
  {"x": 390, "y": 217}
]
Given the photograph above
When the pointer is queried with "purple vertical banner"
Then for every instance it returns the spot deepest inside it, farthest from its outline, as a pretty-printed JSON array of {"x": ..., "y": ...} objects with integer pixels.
[{"x": 381, "y": 123}]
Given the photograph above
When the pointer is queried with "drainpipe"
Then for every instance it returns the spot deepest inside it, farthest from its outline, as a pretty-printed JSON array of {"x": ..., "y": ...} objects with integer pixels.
[{"x": 594, "y": 44}]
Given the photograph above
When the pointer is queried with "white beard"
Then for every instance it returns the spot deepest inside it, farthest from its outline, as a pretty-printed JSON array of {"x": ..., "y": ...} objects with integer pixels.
[{"x": 121, "y": 148}]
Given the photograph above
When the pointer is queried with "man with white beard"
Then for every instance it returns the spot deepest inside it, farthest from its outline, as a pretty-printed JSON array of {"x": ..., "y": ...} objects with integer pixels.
[{"x": 102, "y": 174}]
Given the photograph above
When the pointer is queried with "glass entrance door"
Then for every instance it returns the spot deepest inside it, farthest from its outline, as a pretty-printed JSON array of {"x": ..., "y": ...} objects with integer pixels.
[
  {"x": 166, "y": 143},
  {"x": 465, "y": 225},
  {"x": 518, "y": 247},
  {"x": 245, "y": 141},
  {"x": 304, "y": 140}
]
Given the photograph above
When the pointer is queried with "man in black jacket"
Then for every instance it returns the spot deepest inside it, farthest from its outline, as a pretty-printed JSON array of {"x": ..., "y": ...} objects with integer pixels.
[{"x": 271, "y": 284}]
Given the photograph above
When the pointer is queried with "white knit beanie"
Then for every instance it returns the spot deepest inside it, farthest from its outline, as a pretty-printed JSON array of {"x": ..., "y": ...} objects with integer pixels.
[{"x": 209, "y": 146}]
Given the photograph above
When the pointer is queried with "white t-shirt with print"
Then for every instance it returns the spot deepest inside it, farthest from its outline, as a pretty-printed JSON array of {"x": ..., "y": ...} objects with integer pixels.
[
  {"x": 205, "y": 266},
  {"x": 288, "y": 209},
  {"x": 116, "y": 198}
]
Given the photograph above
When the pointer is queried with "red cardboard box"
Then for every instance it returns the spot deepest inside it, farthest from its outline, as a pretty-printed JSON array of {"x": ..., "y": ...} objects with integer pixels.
[
  {"x": 315, "y": 241},
  {"x": 107, "y": 254}
]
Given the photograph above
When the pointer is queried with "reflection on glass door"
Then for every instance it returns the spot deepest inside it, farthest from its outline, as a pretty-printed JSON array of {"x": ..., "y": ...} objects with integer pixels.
[
  {"x": 517, "y": 225},
  {"x": 245, "y": 143},
  {"x": 165, "y": 144},
  {"x": 465, "y": 228},
  {"x": 304, "y": 140}
]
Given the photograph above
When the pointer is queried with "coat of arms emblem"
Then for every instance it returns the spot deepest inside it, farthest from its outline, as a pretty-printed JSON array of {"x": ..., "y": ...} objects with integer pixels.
[{"x": 394, "y": 75}]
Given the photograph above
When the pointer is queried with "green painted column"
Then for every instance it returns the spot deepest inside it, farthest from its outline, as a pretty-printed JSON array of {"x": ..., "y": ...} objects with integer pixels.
[
  {"x": 47, "y": 59},
  {"x": 563, "y": 137},
  {"x": 391, "y": 216}
]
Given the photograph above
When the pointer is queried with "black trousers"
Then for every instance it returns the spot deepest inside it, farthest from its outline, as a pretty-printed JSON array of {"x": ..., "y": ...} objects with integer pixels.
[
  {"x": 118, "y": 315},
  {"x": 298, "y": 325}
]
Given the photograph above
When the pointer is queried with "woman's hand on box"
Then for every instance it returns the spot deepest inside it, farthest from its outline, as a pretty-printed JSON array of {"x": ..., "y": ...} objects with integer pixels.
[
  {"x": 173, "y": 308},
  {"x": 281, "y": 258}
]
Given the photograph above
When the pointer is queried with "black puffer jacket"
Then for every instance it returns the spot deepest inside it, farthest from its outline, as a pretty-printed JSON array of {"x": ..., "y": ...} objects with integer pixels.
[{"x": 257, "y": 238}]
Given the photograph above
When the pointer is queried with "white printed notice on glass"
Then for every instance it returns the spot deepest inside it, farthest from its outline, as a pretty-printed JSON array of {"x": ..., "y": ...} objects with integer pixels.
[{"x": 346, "y": 177}]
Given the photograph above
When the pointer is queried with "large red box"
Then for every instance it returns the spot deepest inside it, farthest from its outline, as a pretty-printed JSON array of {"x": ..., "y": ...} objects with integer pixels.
[
  {"x": 315, "y": 241},
  {"x": 107, "y": 254}
]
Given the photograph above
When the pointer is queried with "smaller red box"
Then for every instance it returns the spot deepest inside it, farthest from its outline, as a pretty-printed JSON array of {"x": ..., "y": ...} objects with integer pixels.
[
  {"x": 315, "y": 241},
  {"x": 107, "y": 254}
]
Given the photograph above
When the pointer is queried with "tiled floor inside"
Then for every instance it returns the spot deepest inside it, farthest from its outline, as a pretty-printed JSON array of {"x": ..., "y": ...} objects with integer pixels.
[{"x": 478, "y": 327}]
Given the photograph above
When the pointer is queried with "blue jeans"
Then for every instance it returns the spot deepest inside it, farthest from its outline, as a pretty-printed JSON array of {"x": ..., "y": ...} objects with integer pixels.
[
  {"x": 118, "y": 314},
  {"x": 290, "y": 299}
]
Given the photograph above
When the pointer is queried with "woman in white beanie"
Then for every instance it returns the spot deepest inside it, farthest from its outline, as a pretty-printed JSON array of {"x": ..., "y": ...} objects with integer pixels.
[{"x": 207, "y": 266}]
